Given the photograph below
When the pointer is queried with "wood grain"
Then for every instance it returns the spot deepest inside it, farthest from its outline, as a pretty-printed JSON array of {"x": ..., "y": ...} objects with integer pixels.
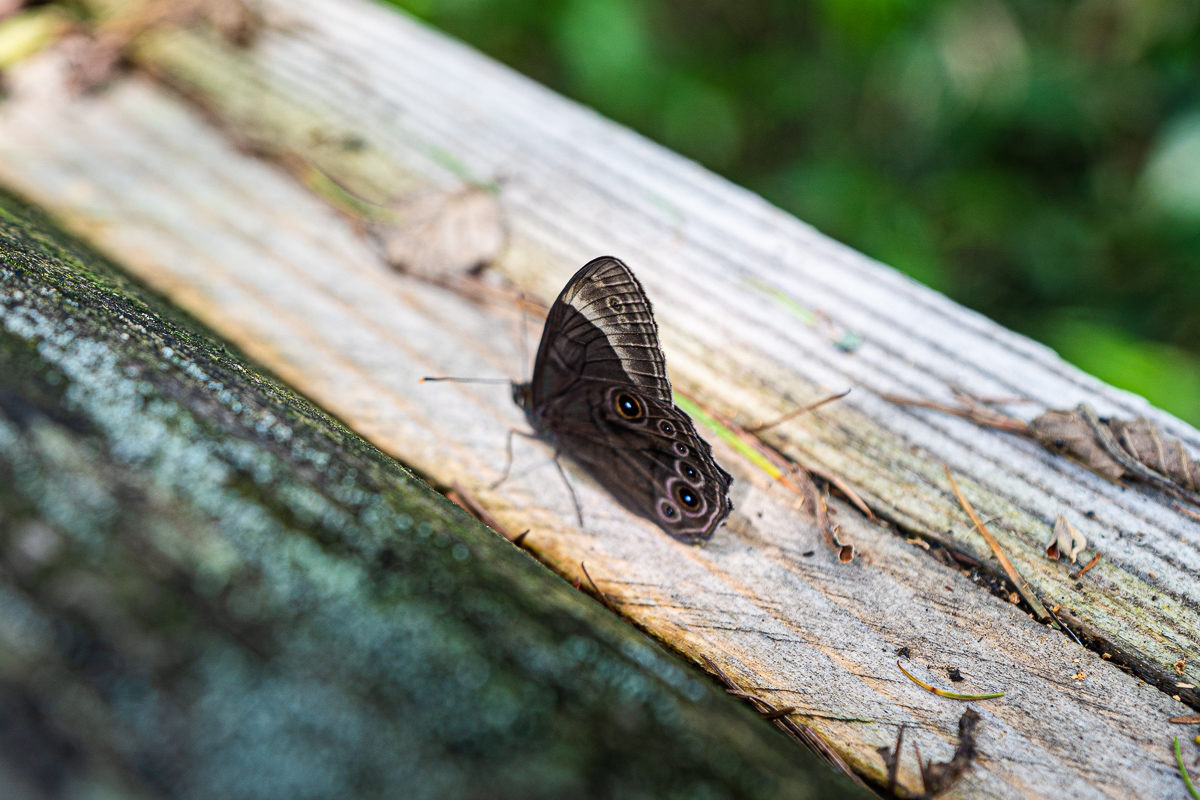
[
  {"x": 211, "y": 588},
  {"x": 387, "y": 106}
]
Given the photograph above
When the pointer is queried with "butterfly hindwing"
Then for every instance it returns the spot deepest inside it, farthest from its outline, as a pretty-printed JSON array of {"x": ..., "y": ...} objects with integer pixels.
[
  {"x": 650, "y": 457},
  {"x": 600, "y": 391}
]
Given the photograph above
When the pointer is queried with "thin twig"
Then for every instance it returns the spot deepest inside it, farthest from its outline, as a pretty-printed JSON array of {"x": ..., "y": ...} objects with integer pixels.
[
  {"x": 779, "y": 713},
  {"x": 980, "y": 415},
  {"x": 924, "y": 795},
  {"x": 720, "y": 673},
  {"x": 471, "y": 503},
  {"x": 1038, "y": 609},
  {"x": 893, "y": 763},
  {"x": 1189, "y": 719},
  {"x": 763, "y": 455},
  {"x": 798, "y": 412},
  {"x": 1095, "y": 560},
  {"x": 601, "y": 595},
  {"x": 989, "y": 401},
  {"x": 1187, "y": 511}
]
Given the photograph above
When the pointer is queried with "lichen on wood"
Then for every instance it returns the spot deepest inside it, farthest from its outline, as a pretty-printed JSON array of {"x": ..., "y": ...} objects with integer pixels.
[{"x": 210, "y": 588}]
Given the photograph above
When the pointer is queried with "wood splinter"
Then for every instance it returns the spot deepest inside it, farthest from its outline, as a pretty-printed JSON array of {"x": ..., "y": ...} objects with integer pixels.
[{"x": 1095, "y": 560}]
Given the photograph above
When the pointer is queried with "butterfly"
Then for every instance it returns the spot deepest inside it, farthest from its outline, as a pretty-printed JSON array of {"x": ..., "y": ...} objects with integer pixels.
[{"x": 600, "y": 395}]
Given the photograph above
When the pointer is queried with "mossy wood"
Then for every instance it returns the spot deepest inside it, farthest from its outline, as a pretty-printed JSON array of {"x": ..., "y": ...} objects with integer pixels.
[
  {"x": 758, "y": 313},
  {"x": 212, "y": 589}
]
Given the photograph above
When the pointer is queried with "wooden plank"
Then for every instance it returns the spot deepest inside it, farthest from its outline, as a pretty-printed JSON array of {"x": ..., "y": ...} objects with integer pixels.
[
  {"x": 210, "y": 588},
  {"x": 244, "y": 247}
]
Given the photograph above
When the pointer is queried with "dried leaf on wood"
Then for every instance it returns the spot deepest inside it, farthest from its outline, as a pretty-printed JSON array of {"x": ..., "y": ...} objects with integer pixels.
[
  {"x": 1067, "y": 541},
  {"x": 1068, "y": 433},
  {"x": 1112, "y": 448},
  {"x": 442, "y": 234},
  {"x": 1145, "y": 442},
  {"x": 1116, "y": 449},
  {"x": 936, "y": 778}
]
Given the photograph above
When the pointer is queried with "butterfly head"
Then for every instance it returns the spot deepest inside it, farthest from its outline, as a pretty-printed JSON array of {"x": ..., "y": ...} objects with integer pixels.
[{"x": 523, "y": 395}]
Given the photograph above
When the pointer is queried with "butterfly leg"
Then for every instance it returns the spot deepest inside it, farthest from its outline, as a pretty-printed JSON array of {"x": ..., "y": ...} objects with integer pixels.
[
  {"x": 575, "y": 500},
  {"x": 508, "y": 455}
]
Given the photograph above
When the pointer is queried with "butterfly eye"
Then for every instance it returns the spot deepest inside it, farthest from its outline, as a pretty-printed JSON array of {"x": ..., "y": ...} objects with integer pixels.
[
  {"x": 687, "y": 497},
  {"x": 628, "y": 406},
  {"x": 688, "y": 471},
  {"x": 666, "y": 510},
  {"x": 666, "y": 427},
  {"x": 681, "y": 448}
]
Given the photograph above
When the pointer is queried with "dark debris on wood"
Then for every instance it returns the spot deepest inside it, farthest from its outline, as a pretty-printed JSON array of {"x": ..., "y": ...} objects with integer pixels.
[{"x": 936, "y": 778}]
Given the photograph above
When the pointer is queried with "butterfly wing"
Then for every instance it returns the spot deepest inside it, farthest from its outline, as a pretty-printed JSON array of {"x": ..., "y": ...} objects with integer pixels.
[
  {"x": 600, "y": 391},
  {"x": 600, "y": 330},
  {"x": 655, "y": 464}
]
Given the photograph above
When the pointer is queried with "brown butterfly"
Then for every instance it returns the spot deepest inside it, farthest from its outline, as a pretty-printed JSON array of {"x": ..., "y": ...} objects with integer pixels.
[{"x": 600, "y": 394}]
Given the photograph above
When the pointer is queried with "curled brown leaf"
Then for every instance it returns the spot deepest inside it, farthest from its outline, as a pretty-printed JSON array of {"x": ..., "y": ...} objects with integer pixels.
[{"x": 1112, "y": 448}]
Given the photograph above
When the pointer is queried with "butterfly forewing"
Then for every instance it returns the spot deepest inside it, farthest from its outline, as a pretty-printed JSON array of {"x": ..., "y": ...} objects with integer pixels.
[
  {"x": 600, "y": 391},
  {"x": 601, "y": 330}
]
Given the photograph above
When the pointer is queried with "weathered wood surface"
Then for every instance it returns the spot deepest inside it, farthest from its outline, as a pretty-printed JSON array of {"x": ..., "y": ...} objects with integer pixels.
[
  {"x": 208, "y": 588},
  {"x": 386, "y": 106}
]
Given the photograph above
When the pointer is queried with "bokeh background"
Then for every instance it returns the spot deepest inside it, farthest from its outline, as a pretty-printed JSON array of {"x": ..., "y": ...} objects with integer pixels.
[{"x": 1036, "y": 160}]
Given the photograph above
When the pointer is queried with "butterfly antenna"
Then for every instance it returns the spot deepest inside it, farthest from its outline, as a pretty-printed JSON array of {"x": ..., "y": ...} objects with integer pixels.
[
  {"x": 563, "y": 474},
  {"x": 797, "y": 412},
  {"x": 434, "y": 379}
]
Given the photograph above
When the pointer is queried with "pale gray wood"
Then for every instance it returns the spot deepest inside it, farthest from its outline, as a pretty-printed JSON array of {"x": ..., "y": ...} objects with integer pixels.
[
  {"x": 211, "y": 589},
  {"x": 245, "y": 247}
]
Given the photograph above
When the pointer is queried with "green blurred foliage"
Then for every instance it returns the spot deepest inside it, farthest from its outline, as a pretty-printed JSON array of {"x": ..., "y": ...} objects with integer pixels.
[{"x": 1038, "y": 160}]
